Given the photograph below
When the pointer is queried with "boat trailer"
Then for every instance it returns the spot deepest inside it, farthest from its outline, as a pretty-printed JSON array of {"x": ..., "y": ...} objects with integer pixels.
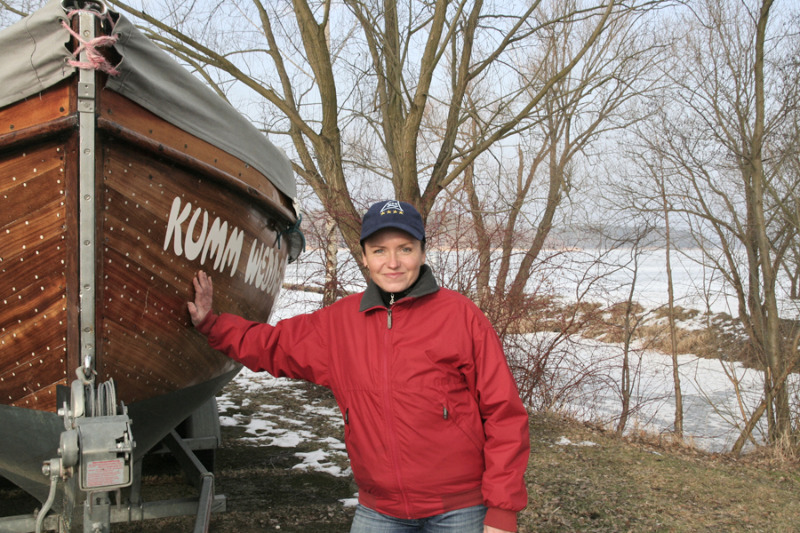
[{"x": 95, "y": 465}]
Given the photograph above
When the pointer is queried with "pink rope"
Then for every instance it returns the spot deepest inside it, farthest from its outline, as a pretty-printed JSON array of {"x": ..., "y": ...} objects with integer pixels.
[{"x": 94, "y": 59}]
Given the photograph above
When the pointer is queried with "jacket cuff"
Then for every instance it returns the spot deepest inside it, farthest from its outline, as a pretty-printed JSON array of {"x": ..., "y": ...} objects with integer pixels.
[
  {"x": 205, "y": 326},
  {"x": 501, "y": 519}
]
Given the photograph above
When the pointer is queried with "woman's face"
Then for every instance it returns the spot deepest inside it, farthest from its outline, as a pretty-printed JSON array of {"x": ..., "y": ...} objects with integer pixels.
[{"x": 393, "y": 258}]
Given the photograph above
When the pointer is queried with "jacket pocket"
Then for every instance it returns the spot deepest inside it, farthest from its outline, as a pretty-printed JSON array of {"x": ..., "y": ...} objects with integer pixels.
[
  {"x": 465, "y": 417},
  {"x": 346, "y": 422}
]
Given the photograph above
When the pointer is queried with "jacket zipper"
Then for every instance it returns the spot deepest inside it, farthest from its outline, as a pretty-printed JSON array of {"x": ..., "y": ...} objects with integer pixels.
[
  {"x": 388, "y": 403},
  {"x": 389, "y": 312}
]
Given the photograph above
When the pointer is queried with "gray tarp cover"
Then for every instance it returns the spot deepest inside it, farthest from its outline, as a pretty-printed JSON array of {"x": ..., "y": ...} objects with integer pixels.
[{"x": 33, "y": 57}]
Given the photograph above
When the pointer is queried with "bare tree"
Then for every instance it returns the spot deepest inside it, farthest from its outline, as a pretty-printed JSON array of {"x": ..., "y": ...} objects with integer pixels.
[
  {"x": 330, "y": 72},
  {"x": 785, "y": 154},
  {"x": 673, "y": 330},
  {"x": 19, "y": 11},
  {"x": 577, "y": 111},
  {"x": 718, "y": 139},
  {"x": 639, "y": 238},
  {"x": 516, "y": 208},
  {"x": 645, "y": 192}
]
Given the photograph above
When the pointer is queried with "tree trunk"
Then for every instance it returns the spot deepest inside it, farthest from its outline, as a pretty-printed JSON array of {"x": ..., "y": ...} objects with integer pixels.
[
  {"x": 673, "y": 334},
  {"x": 330, "y": 292},
  {"x": 554, "y": 196},
  {"x": 781, "y": 419}
]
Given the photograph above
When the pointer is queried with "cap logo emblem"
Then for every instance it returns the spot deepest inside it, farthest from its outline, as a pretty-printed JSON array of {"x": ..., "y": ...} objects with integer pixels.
[{"x": 392, "y": 207}]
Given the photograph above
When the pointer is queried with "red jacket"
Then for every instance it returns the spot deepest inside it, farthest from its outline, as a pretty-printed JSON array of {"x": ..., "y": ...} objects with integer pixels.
[{"x": 433, "y": 418}]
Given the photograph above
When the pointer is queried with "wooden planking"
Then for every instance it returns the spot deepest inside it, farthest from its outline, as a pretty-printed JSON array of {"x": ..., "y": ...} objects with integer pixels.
[
  {"x": 148, "y": 344},
  {"x": 41, "y": 399},
  {"x": 32, "y": 335},
  {"x": 19, "y": 384},
  {"x": 143, "y": 333},
  {"x": 152, "y": 184},
  {"x": 29, "y": 181},
  {"x": 33, "y": 235},
  {"x": 36, "y": 110},
  {"x": 28, "y": 286},
  {"x": 118, "y": 113},
  {"x": 149, "y": 205},
  {"x": 33, "y": 263}
]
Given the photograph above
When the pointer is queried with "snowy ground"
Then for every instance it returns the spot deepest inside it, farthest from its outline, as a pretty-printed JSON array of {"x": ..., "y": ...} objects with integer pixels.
[{"x": 266, "y": 424}]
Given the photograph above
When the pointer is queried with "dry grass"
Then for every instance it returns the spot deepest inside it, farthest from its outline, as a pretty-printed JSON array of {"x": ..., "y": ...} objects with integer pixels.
[{"x": 642, "y": 483}]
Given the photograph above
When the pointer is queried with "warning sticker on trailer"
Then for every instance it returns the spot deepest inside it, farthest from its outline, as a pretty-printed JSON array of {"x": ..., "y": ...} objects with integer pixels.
[{"x": 105, "y": 473}]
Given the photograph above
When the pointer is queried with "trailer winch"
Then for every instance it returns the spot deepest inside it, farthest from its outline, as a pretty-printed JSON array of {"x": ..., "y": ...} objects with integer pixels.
[{"x": 95, "y": 451}]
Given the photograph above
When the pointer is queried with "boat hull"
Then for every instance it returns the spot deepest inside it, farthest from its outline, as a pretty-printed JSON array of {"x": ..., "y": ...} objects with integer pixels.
[{"x": 165, "y": 204}]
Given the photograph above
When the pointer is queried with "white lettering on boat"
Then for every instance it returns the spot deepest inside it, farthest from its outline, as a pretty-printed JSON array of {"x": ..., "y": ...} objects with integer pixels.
[
  {"x": 259, "y": 271},
  {"x": 263, "y": 269},
  {"x": 193, "y": 248}
]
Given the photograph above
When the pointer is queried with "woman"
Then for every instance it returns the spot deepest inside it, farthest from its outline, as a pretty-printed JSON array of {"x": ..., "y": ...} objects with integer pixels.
[{"x": 435, "y": 430}]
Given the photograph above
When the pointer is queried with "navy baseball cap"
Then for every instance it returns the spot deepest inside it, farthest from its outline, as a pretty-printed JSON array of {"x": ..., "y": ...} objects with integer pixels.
[{"x": 392, "y": 214}]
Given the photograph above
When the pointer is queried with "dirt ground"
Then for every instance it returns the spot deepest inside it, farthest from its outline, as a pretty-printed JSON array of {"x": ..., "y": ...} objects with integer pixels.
[
  {"x": 580, "y": 478},
  {"x": 263, "y": 493}
]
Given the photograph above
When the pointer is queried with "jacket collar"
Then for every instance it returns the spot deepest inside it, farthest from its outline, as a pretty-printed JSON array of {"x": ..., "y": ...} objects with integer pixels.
[{"x": 426, "y": 284}]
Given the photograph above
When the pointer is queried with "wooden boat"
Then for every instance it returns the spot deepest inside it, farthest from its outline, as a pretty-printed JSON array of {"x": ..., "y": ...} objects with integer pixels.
[{"x": 119, "y": 179}]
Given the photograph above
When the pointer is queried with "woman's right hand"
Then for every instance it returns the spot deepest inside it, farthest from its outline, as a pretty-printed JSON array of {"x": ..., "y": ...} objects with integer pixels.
[{"x": 203, "y": 297}]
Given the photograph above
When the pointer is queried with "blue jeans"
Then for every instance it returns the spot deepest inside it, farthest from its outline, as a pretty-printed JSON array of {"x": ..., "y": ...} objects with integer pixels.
[{"x": 468, "y": 520}]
